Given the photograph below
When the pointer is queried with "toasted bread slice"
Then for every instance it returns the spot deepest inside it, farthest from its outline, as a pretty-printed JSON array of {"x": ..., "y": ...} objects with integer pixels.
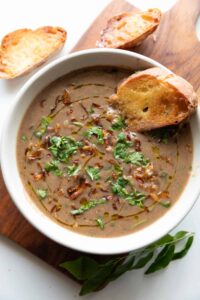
[
  {"x": 24, "y": 49},
  {"x": 154, "y": 98},
  {"x": 126, "y": 30}
]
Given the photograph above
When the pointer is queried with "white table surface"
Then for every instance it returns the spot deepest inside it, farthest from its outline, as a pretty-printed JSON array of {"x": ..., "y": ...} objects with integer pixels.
[{"x": 25, "y": 277}]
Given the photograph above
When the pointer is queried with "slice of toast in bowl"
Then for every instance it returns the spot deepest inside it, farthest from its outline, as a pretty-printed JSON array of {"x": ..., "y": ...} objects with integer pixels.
[
  {"x": 25, "y": 49},
  {"x": 154, "y": 98}
]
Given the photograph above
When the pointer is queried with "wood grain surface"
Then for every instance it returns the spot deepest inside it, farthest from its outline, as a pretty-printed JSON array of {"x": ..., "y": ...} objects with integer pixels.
[{"x": 175, "y": 45}]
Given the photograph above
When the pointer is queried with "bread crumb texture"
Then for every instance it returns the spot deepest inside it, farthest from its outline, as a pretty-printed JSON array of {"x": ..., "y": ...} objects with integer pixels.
[
  {"x": 155, "y": 98},
  {"x": 24, "y": 49},
  {"x": 127, "y": 30}
]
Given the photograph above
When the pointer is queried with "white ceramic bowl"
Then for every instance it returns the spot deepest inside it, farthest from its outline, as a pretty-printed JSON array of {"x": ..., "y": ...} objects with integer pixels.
[{"x": 27, "y": 207}]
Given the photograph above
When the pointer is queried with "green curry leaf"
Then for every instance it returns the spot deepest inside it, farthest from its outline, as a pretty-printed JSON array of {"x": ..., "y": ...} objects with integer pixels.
[
  {"x": 98, "y": 279},
  {"x": 143, "y": 259},
  {"x": 163, "y": 259},
  {"x": 185, "y": 249},
  {"x": 123, "y": 267},
  {"x": 95, "y": 275},
  {"x": 81, "y": 268}
]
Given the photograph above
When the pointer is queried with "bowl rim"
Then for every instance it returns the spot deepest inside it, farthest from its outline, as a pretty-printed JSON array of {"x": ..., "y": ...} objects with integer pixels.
[{"x": 70, "y": 239}]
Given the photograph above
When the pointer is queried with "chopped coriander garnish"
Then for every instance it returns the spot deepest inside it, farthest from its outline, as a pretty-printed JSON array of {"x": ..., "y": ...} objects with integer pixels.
[
  {"x": 118, "y": 170},
  {"x": 133, "y": 198},
  {"x": 108, "y": 179},
  {"x": 65, "y": 123},
  {"x": 38, "y": 134},
  {"x": 165, "y": 204},
  {"x": 53, "y": 167},
  {"x": 24, "y": 138},
  {"x": 87, "y": 206},
  {"x": 164, "y": 175},
  {"x": 78, "y": 124},
  {"x": 41, "y": 193},
  {"x": 91, "y": 110},
  {"x": 45, "y": 121},
  {"x": 118, "y": 187},
  {"x": 136, "y": 158},
  {"x": 118, "y": 124},
  {"x": 121, "y": 152},
  {"x": 93, "y": 172},
  {"x": 96, "y": 131},
  {"x": 100, "y": 223},
  {"x": 136, "y": 198},
  {"x": 63, "y": 147},
  {"x": 73, "y": 170},
  {"x": 122, "y": 138}
]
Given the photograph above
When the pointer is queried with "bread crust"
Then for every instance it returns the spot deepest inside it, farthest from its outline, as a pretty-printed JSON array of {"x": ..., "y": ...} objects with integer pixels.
[
  {"x": 175, "y": 98},
  {"x": 127, "y": 30},
  {"x": 23, "y": 50}
]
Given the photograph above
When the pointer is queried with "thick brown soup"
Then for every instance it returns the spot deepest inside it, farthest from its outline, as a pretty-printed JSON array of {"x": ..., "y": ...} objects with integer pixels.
[{"x": 82, "y": 165}]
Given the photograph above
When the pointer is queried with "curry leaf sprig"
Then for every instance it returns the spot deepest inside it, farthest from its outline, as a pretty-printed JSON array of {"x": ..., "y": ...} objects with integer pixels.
[
  {"x": 63, "y": 147},
  {"x": 87, "y": 206},
  {"x": 95, "y": 275},
  {"x": 121, "y": 152}
]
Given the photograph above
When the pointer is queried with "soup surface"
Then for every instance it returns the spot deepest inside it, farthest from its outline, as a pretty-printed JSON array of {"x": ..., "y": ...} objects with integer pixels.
[{"x": 82, "y": 165}]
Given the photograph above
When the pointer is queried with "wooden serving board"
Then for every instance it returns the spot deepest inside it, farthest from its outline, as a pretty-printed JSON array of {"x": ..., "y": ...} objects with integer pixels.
[{"x": 175, "y": 45}]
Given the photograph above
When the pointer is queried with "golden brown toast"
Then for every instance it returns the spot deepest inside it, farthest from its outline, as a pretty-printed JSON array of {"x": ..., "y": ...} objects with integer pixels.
[
  {"x": 127, "y": 30},
  {"x": 24, "y": 49},
  {"x": 154, "y": 98}
]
